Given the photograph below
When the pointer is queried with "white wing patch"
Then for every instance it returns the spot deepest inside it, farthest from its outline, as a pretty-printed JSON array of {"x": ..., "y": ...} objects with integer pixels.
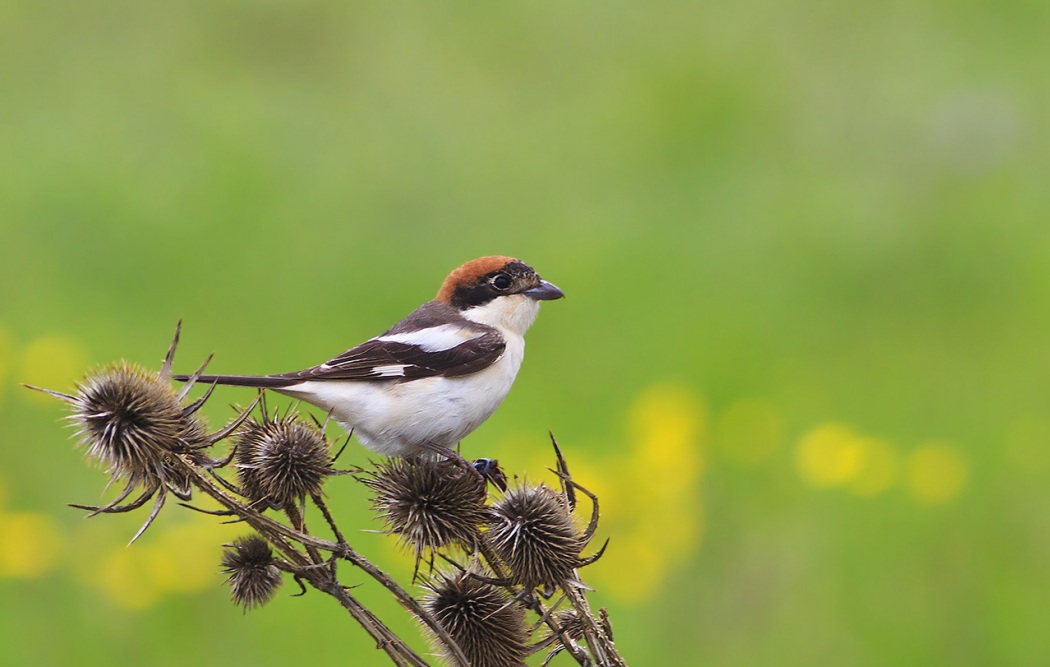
[
  {"x": 434, "y": 339},
  {"x": 390, "y": 371}
]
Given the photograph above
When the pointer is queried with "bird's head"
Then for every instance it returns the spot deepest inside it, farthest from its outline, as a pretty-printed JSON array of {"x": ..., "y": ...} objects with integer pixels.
[{"x": 498, "y": 291}]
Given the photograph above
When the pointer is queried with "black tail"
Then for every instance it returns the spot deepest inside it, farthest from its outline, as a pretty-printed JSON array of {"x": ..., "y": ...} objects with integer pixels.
[{"x": 263, "y": 381}]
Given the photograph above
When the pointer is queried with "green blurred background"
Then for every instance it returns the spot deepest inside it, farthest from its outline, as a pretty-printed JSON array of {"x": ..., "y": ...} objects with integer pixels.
[{"x": 803, "y": 357}]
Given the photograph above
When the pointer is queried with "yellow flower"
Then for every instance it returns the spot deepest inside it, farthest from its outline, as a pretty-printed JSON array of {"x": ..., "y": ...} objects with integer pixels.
[
  {"x": 666, "y": 425},
  {"x": 655, "y": 510},
  {"x": 180, "y": 558},
  {"x": 124, "y": 578},
  {"x": 642, "y": 569},
  {"x": 186, "y": 556},
  {"x": 829, "y": 455},
  {"x": 30, "y": 546},
  {"x": 937, "y": 473},
  {"x": 52, "y": 362},
  {"x": 878, "y": 470}
]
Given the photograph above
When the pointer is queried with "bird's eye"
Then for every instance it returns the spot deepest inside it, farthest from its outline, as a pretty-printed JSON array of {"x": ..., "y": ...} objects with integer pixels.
[{"x": 501, "y": 282}]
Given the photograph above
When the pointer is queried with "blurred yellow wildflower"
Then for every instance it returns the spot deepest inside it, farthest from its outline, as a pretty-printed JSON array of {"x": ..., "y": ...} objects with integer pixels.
[
  {"x": 658, "y": 523},
  {"x": 595, "y": 480},
  {"x": 122, "y": 575},
  {"x": 829, "y": 455},
  {"x": 666, "y": 424},
  {"x": 641, "y": 567},
  {"x": 30, "y": 546},
  {"x": 750, "y": 431},
  {"x": 833, "y": 454},
  {"x": 52, "y": 362},
  {"x": 878, "y": 470},
  {"x": 183, "y": 558},
  {"x": 186, "y": 556},
  {"x": 937, "y": 473}
]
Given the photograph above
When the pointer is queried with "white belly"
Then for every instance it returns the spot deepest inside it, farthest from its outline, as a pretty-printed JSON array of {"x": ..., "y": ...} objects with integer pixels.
[{"x": 403, "y": 418}]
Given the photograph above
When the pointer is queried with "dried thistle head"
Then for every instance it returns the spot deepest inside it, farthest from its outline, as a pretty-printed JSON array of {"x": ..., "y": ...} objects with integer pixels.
[
  {"x": 533, "y": 533},
  {"x": 253, "y": 573},
  {"x": 484, "y": 621},
  {"x": 135, "y": 424},
  {"x": 429, "y": 504},
  {"x": 132, "y": 421},
  {"x": 281, "y": 460}
]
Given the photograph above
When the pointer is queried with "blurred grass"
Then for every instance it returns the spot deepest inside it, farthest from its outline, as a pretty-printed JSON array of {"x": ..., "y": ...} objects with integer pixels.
[{"x": 833, "y": 212}]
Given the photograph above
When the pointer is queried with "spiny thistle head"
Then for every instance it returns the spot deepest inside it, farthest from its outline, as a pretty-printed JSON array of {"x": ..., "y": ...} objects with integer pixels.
[
  {"x": 533, "y": 533},
  {"x": 281, "y": 460},
  {"x": 429, "y": 504},
  {"x": 132, "y": 421},
  {"x": 482, "y": 619},
  {"x": 254, "y": 575}
]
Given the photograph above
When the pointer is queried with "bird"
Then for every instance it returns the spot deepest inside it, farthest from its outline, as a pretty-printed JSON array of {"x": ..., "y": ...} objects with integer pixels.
[{"x": 419, "y": 388}]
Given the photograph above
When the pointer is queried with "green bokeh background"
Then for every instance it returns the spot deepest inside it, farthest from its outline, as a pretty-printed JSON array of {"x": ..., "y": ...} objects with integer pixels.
[{"x": 836, "y": 209}]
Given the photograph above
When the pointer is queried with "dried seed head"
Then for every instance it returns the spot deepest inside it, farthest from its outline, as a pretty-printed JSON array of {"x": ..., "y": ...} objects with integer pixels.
[
  {"x": 132, "y": 421},
  {"x": 482, "y": 619},
  {"x": 135, "y": 424},
  {"x": 281, "y": 460},
  {"x": 534, "y": 534},
  {"x": 429, "y": 504},
  {"x": 254, "y": 575}
]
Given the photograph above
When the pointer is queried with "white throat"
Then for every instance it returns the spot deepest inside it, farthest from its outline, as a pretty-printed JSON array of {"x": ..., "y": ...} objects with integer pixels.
[{"x": 512, "y": 314}]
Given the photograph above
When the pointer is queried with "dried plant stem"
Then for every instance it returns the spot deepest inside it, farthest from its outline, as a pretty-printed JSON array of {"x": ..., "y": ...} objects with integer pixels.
[
  {"x": 409, "y": 603},
  {"x": 400, "y": 653},
  {"x": 321, "y": 505},
  {"x": 298, "y": 521},
  {"x": 282, "y": 537},
  {"x": 597, "y": 638},
  {"x": 575, "y": 650},
  {"x": 254, "y": 518},
  {"x": 347, "y": 553}
]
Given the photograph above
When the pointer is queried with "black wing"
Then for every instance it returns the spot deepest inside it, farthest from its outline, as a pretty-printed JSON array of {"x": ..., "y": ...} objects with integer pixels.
[{"x": 379, "y": 359}]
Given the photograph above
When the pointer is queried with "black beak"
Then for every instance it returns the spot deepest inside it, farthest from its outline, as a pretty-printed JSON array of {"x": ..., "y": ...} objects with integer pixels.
[{"x": 545, "y": 291}]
